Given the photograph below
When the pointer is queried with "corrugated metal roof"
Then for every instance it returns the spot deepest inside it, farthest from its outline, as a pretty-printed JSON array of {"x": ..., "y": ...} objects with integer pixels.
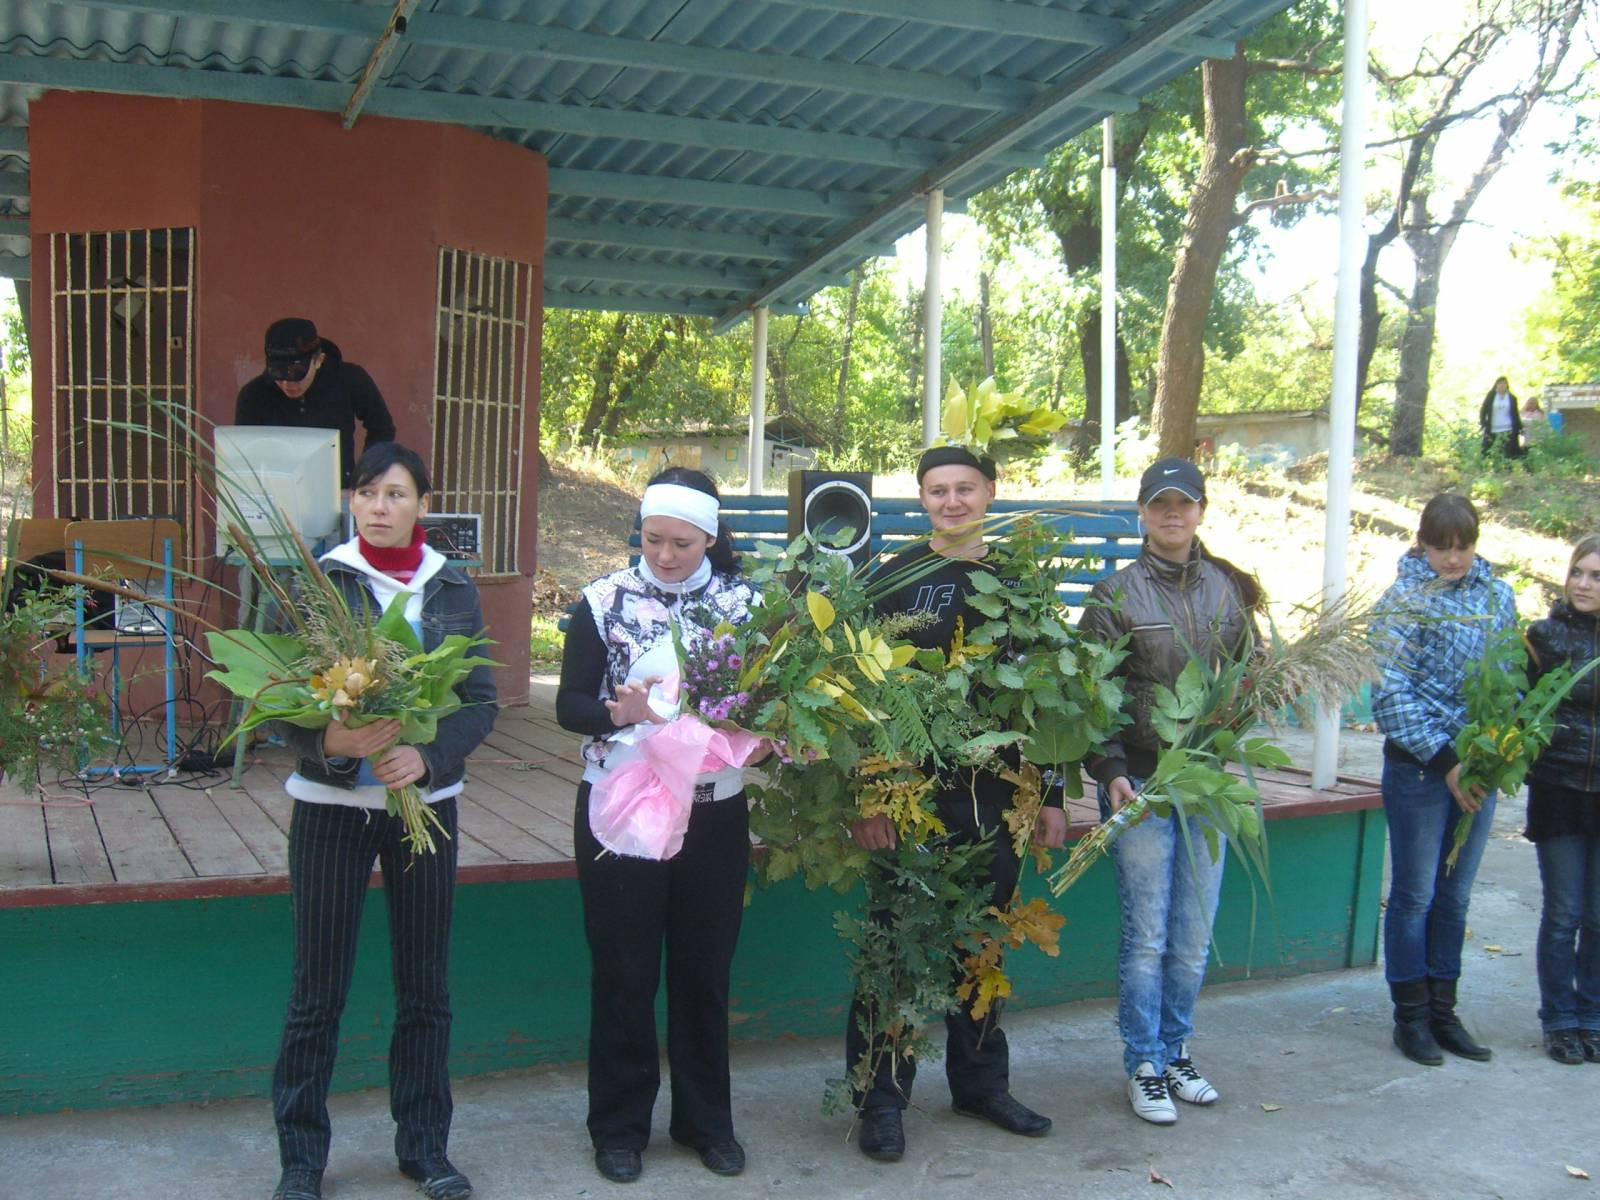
[{"x": 706, "y": 156}]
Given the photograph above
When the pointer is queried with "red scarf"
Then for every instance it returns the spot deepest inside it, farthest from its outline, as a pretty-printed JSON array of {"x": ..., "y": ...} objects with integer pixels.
[{"x": 400, "y": 563}]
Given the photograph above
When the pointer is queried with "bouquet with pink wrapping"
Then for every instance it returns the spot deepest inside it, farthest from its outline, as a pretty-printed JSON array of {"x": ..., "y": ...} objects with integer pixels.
[{"x": 642, "y": 807}]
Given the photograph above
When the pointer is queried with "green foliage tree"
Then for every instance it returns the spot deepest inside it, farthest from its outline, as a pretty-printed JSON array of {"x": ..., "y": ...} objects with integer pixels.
[
  {"x": 1162, "y": 159},
  {"x": 1566, "y": 322},
  {"x": 1456, "y": 80}
]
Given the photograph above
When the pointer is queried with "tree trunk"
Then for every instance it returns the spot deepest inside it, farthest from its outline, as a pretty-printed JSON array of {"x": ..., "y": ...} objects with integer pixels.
[
  {"x": 985, "y": 325},
  {"x": 1430, "y": 244},
  {"x": 624, "y": 404},
  {"x": 605, "y": 369},
  {"x": 1089, "y": 352},
  {"x": 840, "y": 412},
  {"x": 914, "y": 365},
  {"x": 1416, "y": 344},
  {"x": 1210, "y": 222},
  {"x": 778, "y": 370}
]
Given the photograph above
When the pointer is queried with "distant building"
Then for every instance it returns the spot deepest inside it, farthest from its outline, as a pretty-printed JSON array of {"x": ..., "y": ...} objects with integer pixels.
[
  {"x": 1264, "y": 437},
  {"x": 1579, "y": 406},
  {"x": 723, "y": 452}
]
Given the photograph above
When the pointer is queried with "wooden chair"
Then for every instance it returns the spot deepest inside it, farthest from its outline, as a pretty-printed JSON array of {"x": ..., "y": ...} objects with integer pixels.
[{"x": 140, "y": 553}]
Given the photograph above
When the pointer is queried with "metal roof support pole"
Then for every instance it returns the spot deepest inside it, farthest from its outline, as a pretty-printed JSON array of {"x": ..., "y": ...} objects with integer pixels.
[
  {"x": 932, "y": 318},
  {"x": 1342, "y": 409},
  {"x": 1108, "y": 310},
  {"x": 758, "y": 401}
]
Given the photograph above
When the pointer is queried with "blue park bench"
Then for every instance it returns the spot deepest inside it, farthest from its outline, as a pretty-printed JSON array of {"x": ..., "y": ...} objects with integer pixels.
[{"x": 1099, "y": 535}]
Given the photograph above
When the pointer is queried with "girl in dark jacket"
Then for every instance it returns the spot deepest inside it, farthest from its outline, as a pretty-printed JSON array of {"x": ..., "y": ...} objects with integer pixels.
[
  {"x": 339, "y": 826},
  {"x": 619, "y": 645},
  {"x": 1500, "y": 420},
  {"x": 1564, "y": 820}
]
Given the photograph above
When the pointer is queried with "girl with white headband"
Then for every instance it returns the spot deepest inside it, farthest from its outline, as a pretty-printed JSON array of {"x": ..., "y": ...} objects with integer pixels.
[{"x": 619, "y": 648}]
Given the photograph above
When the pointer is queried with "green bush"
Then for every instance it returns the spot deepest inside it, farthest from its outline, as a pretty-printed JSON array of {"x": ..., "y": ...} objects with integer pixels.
[
  {"x": 1559, "y": 514},
  {"x": 1563, "y": 455},
  {"x": 1487, "y": 491},
  {"x": 545, "y": 641}
]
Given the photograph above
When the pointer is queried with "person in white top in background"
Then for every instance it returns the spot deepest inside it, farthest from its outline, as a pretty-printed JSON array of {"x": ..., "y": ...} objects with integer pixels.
[{"x": 1500, "y": 421}]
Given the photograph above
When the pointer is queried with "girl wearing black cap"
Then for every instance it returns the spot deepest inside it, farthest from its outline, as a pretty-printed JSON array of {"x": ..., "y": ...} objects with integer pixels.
[
  {"x": 619, "y": 646},
  {"x": 956, "y": 488},
  {"x": 1174, "y": 602}
]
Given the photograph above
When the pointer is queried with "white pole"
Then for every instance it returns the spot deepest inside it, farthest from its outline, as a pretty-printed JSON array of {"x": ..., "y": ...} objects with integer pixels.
[
  {"x": 1108, "y": 311},
  {"x": 1347, "y": 312},
  {"x": 932, "y": 319},
  {"x": 758, "y": 402}
]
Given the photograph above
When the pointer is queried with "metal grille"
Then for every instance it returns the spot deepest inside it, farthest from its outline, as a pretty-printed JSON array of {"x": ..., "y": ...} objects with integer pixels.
[
  {"x": 480, "y": 377},
  {"x": 122, "y": 365}
]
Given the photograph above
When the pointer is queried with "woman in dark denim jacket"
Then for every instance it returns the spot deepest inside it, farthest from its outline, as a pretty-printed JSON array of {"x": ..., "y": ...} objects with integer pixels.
[
  {"x": 1434, "y": 621},
  {"x": 340, "y": 825},
  {"x": 1564, "y": 819}
]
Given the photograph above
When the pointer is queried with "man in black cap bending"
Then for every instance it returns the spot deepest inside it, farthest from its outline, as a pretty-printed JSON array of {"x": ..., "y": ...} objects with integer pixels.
[{"x": 307, "y": 383}]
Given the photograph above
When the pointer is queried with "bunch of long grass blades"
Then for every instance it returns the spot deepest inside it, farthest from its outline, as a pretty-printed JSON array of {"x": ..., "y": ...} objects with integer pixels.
[
  {"x": 340, "y": 665},
  {"x": 1205, "y": 720},
  {"x": 419, "y": 687}
]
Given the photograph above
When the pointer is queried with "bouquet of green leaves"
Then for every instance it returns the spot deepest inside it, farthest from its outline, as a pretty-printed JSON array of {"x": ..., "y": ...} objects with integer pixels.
[
  {"x": 1022, "y": 693},
  {"x": 342, "y": 666},
  {"x": 1508, "y": 723},
  {"x": 1204, "y": 721},
  {"x": 47, "y": 717},
  {"x": 1001, "y": 425}
]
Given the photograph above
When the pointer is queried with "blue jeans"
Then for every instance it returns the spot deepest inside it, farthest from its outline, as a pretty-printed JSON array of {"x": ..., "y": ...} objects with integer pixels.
[
  {"x": 1168, "y": 904},
  {"x": 1569, "y": 933},
  {"x": 1426, "y": 917}
]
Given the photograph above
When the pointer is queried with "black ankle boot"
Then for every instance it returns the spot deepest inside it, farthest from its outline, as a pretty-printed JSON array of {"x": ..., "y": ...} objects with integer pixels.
[
  {"x": 1446, "y": 1027},
  {"x": 1411, "y": 1032}
]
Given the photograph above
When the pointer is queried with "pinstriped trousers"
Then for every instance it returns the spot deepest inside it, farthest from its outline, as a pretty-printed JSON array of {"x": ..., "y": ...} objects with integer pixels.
[{"x": 331, "y": 851}]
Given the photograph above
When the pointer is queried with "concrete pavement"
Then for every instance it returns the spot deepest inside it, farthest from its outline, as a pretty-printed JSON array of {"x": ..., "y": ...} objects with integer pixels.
[{"x": 1316, "y": 1103}]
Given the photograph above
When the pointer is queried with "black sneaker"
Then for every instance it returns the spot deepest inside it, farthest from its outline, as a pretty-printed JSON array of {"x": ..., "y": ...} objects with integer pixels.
[
  {"x": 617, "y": 1165},
  {"x": 1565, "y": 1046},
  {"x": 437, "y": 1178},
  {"x": 298, "y": 1183},
  {"x": 723, "y": 1158},
  {"x": 883, "y": 1134},
  {"x": 1590, "y": 1040},
  {"x": 1005, "y": 1110}
]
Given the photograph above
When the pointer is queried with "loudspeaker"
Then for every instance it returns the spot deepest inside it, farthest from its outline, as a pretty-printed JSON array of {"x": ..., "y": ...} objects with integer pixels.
[{"x": 829, "y": 503}]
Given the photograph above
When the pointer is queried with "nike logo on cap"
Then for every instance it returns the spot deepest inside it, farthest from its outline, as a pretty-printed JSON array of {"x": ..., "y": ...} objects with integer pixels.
[{"x": 1170, "y": 471}]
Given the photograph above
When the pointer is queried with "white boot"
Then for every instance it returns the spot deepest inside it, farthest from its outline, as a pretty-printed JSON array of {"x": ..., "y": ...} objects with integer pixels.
[
  {"x": 1147, "y": 1092},
  {"x": 1187, "y": 1084}
]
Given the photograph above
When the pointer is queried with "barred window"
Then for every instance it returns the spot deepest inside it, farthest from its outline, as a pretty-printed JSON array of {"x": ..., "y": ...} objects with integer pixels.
[
  {"x": 479, "y": 402},
  {"x": 122, "y": 370}
]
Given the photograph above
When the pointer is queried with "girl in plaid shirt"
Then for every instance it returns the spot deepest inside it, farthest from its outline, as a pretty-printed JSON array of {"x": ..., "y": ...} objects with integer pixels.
[{"x": 1435, "y": 619}]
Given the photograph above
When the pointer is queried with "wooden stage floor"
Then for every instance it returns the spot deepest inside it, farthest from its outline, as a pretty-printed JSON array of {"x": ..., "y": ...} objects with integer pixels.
[
  {"x": 192, "y": 836},
  {"x": 517, "y": 809}
]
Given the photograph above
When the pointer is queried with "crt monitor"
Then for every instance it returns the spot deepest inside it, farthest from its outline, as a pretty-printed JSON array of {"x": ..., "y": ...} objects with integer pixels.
[{"x": 270, "y": 477}]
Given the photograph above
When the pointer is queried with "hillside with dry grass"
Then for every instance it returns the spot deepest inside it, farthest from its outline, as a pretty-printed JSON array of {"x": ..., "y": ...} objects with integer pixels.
[{"x": 1268, "y": 521}]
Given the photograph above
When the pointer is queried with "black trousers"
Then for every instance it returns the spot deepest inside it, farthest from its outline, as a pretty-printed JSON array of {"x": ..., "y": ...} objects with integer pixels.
[
  {"x": 977, "y": 1061},
  {"x": 331, "y": 851},
  {"x": 693, "y": 904}
]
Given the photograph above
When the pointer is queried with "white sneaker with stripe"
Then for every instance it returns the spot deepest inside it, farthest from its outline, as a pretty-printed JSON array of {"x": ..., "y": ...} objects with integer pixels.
[
  {"x": 1147, "y": 1092},
  {"x": 1187, "y": 1084}
]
